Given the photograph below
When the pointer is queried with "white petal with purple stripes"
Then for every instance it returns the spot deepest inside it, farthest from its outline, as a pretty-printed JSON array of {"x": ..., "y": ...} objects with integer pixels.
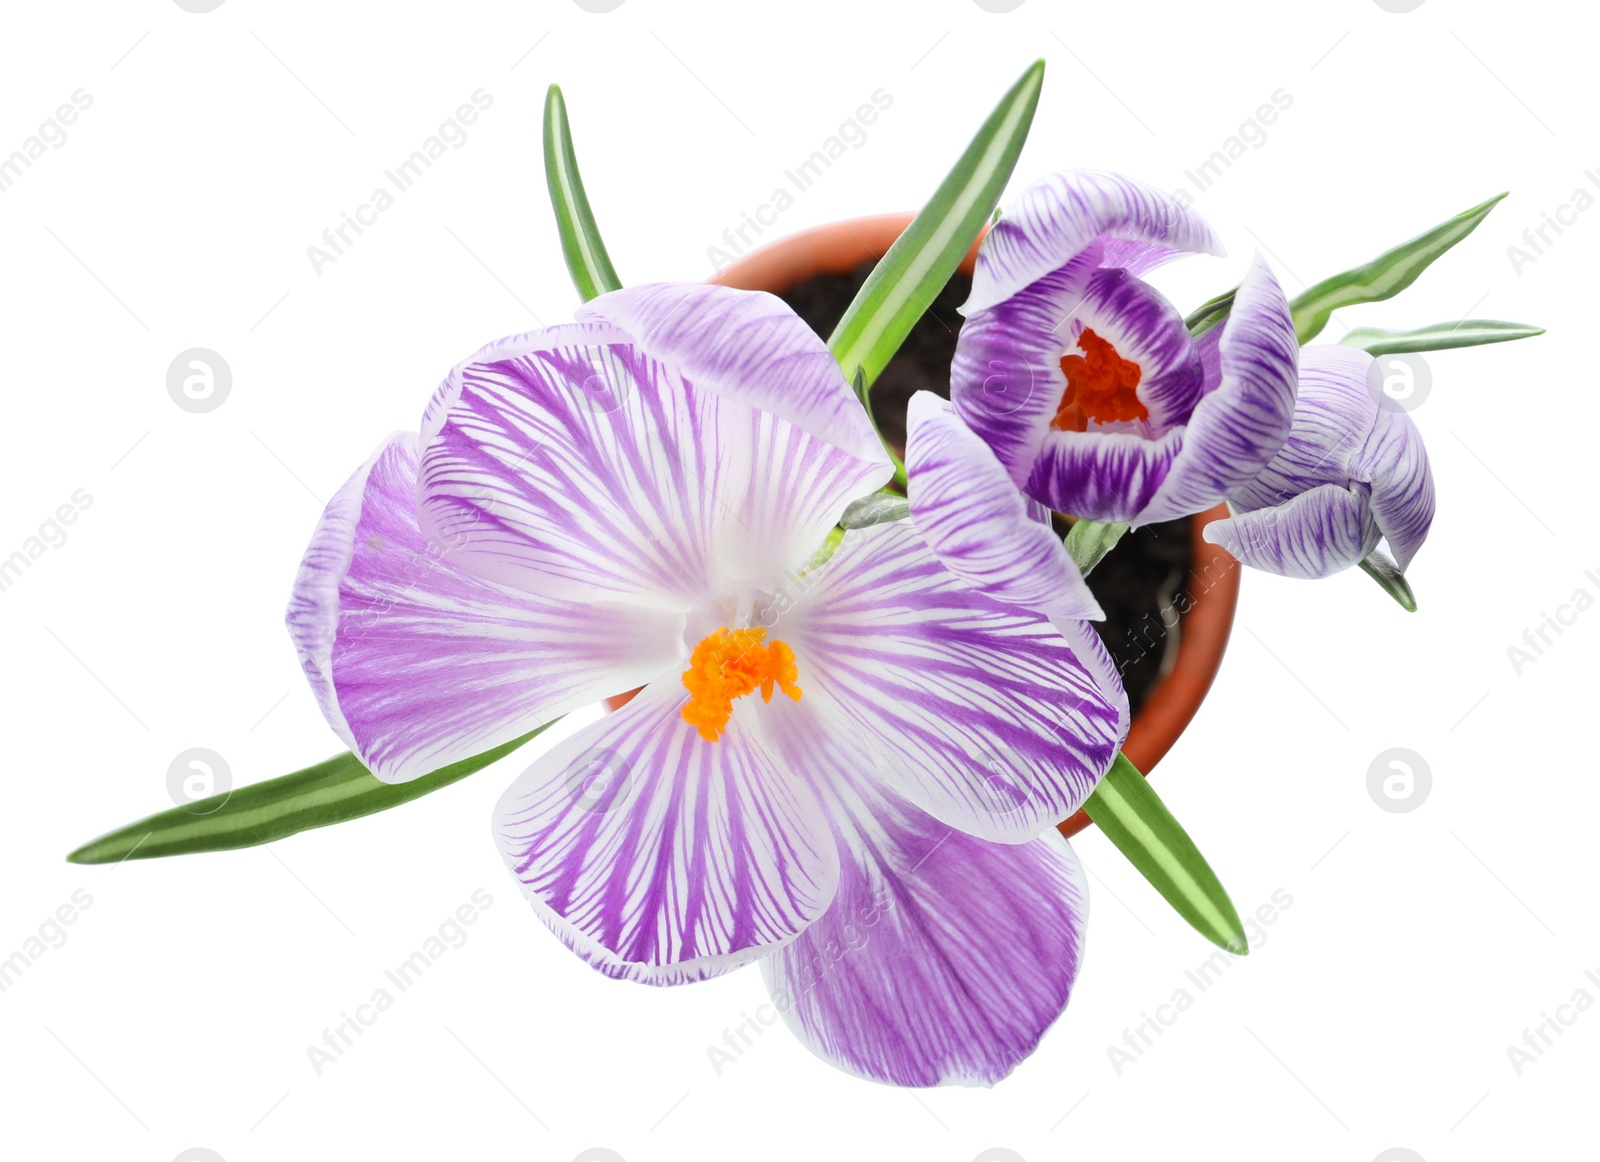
[
  {"x": 978, "y": 524},
  {"x": 1055, "y": 219},
  {"x": 1312, "y": 534},
  {"x": 661, "y": 858},
  {"x": 750, "y": 347},
  {"x": 418, "y": 664},
  {"x": 977, "y": 711}
]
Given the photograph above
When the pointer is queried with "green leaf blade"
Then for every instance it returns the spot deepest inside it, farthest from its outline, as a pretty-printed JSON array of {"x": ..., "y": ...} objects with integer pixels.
[
  {"x": 922, "y": 260},
  {"x": 1137, "y": 822},
  {"x": 587, "y": 260},
  {"x": 1438, "y": 337},
  {"x": 1088, "y": 541},
  {"x": 1385, "y": 276},
  {"x": 1387, "y": 574},
  {"x": 329, "y": 792}
]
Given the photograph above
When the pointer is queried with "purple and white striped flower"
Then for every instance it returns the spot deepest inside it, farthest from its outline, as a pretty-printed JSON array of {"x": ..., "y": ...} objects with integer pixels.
[
  {"x": 638, "y": 499},
  {"x": 1083, "y": 379},
  {"x": 1353, "y": 472}
]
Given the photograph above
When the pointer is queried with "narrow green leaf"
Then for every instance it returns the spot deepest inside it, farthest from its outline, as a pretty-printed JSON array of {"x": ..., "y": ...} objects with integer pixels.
[
  {"x": 899, "y": 481},
  {"x": 1385, "y": 276},
  {"x": 329, "y": 792},
  {"x": 1209, "y": 313},
  {"x": 1439, "y": 337},
  {"x": 922, "y": 260},
  {"x": 1387, "y": 574},
  {"x": 879, "y": 508},
  {"x": 585, "y": 253},
  {"x": 1089, "y": 541},
  {"x": 1128, "y": 810}
]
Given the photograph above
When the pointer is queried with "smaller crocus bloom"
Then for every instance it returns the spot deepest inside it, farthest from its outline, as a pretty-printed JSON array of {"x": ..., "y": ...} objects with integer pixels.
[
  {"x": 1084, "y": 380},
  {"x": 1353, "y": 472},
  {"x": 848, "y": 767}
]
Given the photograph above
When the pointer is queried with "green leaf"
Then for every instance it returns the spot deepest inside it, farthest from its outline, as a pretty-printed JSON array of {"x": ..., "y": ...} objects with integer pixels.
[
  {"x": 921, "y": 261},
  {"x": 330, "y": 792},
  {"x": 585, "y": 253},
  {"x": 1439, "y": 337},
  {"x": 1387, "y": 574},
  {"x": 1089, "y": 541},
  {"x": 1385, "y": 276},
  {"x": 1128, "y": 810},
  {"x": 1209, "y": 313},
  {"x": 879, "y": 508}
]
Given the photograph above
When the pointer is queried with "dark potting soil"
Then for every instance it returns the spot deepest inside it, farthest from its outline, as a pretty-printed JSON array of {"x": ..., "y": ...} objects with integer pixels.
[{"x": 1134, "y": 584}]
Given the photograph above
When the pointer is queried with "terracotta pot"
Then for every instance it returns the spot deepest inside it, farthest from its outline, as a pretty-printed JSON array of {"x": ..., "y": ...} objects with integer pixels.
[{"x": 1213, "y": 585}]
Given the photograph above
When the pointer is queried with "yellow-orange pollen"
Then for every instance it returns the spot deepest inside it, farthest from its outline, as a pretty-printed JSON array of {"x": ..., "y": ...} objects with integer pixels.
[
  {"x": 1101, "y": 386},
  {"x": 729, "y": 664}
]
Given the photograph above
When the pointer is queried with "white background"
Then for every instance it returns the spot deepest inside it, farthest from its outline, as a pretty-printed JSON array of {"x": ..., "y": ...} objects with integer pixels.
[{"x": 178, "y": 1011}]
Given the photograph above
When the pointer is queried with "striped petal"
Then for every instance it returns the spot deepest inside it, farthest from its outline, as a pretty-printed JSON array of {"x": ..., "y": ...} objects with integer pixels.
[
  {"x": 978, "y": 524},
  {"x": 1110, "y": 476},
  {"x": 1055, "y": 219},
  {"x": 978, "y": 712},
  {"x": 662, "y": 858},
  {"x": 1310, "y": 535},
  {"x": 943, "y": 959},
  {"x": 750, "y": 347},
  {"x": 1395, "y": 464},
  {"x": 1242, "y": 423},
  {"x": 574, "y": 464},
  {"x": 417, "y": 664}
]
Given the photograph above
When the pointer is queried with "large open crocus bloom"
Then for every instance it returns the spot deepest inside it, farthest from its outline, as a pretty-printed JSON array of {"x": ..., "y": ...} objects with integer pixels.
[
  {"x": 850, "y": 770},
  {"x": 1353, "y": 472},
  {"x": 1083, "y": 379}
]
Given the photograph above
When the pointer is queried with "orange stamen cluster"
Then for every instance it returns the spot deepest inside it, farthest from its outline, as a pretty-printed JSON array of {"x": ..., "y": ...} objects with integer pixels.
[
  {"x": 1100, "y": 387},
  {"x": 729, "y": 664}
]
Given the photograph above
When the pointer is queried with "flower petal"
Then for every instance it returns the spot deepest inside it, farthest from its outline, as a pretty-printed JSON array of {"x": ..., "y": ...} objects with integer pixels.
[
  {"x": 750, "y": 347},
  {"x": 582, "y": 467},
  {"x": 1395, "y": 463},
  {"x": 662, "y": 858},
  {"x": 1313, "y": 534},
  {"x": 1055, "y": 219},
  {"x": 943, "y": 960},
  {"x": 1006, "y": 380},
  {"x": 1238, "y": 427},
  {"x": 976, "y": 521},
  {"x": 418, "y": 665},
  {"x": 978, "y": 712},
  {"x": 1107, "y": 476}
]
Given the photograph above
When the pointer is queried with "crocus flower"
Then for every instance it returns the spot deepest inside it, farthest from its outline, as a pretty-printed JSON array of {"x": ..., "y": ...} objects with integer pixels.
[
  {"x": 850, "y": 770},
  {"x": 1352, "y": 472},
  {"x": 1083, "y": 379}
]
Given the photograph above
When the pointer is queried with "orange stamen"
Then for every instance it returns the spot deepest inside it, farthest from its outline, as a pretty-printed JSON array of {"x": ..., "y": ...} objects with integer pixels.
[
  {"x": 729, "y": 664},
  {"x": 1101, "y": 386}
]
